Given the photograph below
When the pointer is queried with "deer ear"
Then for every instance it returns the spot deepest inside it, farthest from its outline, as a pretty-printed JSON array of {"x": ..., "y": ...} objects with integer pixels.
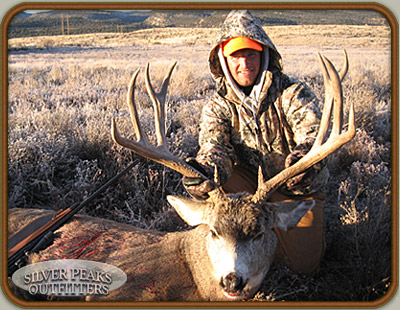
[
  {"x": 191, "y": 211},
  {"x": 289, "y": 214}
]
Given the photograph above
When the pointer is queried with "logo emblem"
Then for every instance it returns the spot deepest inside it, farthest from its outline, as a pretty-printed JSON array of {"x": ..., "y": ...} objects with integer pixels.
[{"x": 69, "y": 277}]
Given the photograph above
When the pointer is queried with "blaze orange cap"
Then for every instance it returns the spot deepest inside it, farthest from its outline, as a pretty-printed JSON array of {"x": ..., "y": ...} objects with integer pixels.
[{"x": 239, "y": 43}]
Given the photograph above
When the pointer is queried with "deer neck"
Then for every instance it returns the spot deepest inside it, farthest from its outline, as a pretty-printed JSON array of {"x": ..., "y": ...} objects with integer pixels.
[{"x": 194, "y": 249}]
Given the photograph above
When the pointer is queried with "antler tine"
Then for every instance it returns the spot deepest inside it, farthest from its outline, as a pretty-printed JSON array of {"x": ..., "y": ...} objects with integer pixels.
[
  {"x": 331, "y": 78},
  {"x": 130, "y": 99},
  {"x": 158, "y": 100},
  {"x": 334, "y": 92},
  {"x": 140, "y": 135},
  {"x": 327, "y": 109},
  {"x": 319, "y": 151},
  {"x": 159, "y": 153}
]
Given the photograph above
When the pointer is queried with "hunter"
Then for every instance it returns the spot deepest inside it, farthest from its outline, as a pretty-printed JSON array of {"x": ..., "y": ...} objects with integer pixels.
[{"x": 259, "y": 117}]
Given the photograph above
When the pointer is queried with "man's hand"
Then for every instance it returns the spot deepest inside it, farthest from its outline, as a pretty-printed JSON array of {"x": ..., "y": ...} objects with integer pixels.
[
  {"x": 305, "y": 178},
  {"x": 198, "y": 187}
]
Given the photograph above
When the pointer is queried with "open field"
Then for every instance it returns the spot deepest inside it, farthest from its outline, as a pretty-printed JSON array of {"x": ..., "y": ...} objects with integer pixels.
[
  {"x": 318, "y": 35},
  {"x": 60, "y": 22},
  {"x": 64, "y": 90}
]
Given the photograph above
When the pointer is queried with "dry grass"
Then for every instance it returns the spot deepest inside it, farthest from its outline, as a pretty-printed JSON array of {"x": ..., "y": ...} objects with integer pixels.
[{"x": 64, "y": 90}]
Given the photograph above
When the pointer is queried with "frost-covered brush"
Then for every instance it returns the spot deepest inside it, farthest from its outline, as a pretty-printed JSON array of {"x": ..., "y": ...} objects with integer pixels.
[
  {"x": 39, "y": 234},
  {"x": 229, "y": 251}
]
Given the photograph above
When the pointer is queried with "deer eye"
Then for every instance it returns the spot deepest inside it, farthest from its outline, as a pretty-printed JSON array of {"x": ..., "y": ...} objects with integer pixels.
[
  {"x": 259, "y": 236},
  {"x": 214, "y": 234}
]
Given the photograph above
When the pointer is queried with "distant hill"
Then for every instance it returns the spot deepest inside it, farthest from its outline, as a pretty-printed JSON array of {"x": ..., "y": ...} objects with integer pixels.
[{"x": 57, "y": 22}]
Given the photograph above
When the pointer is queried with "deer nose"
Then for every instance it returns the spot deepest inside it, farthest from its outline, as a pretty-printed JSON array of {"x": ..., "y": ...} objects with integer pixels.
[{"x": 232, "y": 283}]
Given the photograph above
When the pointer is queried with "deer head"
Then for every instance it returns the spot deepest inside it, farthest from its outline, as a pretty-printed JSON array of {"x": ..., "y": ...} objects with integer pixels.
[
  {"x": 239, "y": 237},
  {"x": 240, "y": 241}
]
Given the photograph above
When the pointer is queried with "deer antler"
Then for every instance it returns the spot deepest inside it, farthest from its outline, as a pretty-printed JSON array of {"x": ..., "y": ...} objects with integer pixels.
[
  {"x": 160, "y": 152},
  {"x": 319, "y": 150},
  {"x": 345, "y": 67}
]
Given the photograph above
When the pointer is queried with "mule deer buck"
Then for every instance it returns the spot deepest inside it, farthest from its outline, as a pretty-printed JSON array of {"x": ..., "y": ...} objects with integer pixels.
[{"x": 230, "y": 250}]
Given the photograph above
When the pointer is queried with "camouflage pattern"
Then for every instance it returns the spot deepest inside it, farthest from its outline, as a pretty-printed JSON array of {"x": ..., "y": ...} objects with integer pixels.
[
  {"x": 287, "y": 117},
  {"x": 241, "y": 23}
]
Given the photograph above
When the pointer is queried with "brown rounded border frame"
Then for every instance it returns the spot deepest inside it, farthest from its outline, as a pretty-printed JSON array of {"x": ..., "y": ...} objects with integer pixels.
[{"x": 200, "y": 6}]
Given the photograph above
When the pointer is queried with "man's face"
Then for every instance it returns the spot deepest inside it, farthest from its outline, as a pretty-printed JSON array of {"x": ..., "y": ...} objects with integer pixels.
[{"x": 244, "y": 66}]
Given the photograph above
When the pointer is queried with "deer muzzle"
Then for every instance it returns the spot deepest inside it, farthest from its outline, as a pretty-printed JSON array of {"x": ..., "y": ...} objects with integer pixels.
[{"x": 233, "y": 285}]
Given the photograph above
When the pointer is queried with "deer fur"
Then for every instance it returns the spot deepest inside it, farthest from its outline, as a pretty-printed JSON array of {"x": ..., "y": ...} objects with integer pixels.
[{"x": 232, "y": 239}]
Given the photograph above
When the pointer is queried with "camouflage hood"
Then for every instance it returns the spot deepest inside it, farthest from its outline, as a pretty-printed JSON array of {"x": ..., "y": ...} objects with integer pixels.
[{"x": 242, "y": 23}]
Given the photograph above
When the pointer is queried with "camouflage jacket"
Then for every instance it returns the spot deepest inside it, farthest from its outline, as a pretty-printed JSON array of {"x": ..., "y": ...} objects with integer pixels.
[{"x": 260, "y": 129}]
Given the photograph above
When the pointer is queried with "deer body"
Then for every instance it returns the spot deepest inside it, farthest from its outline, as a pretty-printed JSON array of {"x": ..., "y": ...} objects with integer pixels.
[
  {"x": 152, "y": 260},
  {"x": 230, "y": 250},
  {"x": 224, "y": 258}
]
